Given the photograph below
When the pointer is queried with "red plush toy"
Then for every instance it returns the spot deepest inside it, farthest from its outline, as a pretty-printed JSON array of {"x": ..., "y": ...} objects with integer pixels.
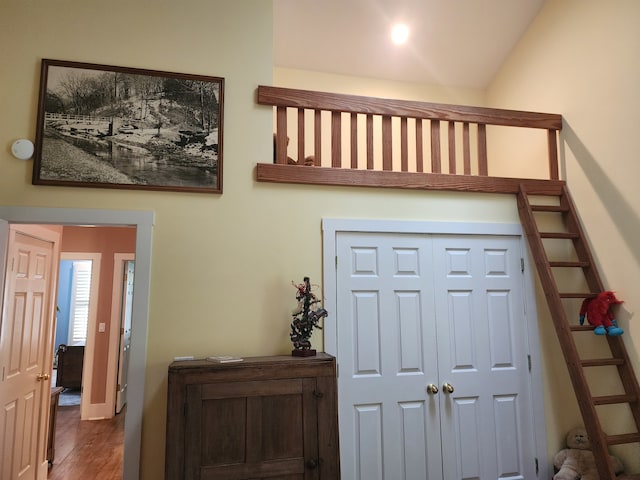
[{"x": 598, "y": 313}]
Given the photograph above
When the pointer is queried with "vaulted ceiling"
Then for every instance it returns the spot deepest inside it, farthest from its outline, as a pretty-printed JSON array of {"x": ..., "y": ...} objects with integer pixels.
[{"x": 459, "y": 43}]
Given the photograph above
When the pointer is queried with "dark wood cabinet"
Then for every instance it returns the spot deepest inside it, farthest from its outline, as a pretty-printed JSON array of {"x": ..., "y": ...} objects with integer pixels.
[
  {"x": 51, "y": 432},
  {"x": 69, "y": 369},
  {"x": 262, "y": 418}
]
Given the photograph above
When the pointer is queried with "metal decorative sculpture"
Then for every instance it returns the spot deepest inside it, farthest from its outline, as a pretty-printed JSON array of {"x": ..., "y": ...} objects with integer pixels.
[{"x": 306, "y": 317}]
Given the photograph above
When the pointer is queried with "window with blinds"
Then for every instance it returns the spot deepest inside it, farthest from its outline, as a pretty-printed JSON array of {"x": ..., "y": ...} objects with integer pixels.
[{"x": 80, "y": 297}]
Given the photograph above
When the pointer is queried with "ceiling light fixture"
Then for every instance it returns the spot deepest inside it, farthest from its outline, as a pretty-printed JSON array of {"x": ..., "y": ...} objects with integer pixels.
[{"x": 400, "y": 33}]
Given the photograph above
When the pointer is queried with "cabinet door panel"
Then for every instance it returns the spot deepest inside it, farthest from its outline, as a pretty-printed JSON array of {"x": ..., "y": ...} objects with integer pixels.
[
  {"x": 250, "y": 430},
  {"x": 224, "y": 422},
  {"x": 282, "y": 432}
]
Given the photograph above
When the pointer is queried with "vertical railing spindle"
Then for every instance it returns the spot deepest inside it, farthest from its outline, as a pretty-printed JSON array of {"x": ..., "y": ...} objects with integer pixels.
[
  {"x": 387, "y": 158},
  {"x": 317, "y": 138},
  {"x": 281, "y": 135},
  {"x": 552, "y": 143},
  {"x": 301, "y": 136},
  {"x": 336, "y": 139},
  {"x": 369, "y": 142},
  {"x": 419, "y": 148},
  {"x": 483, "y": 169},
  {"x": 404, "y": 147},
  {"x": 466, "y": 148},
  {"x": 354, "y": 140},
  {"x": 435, "y": 147},
  {"x": 452, "y": 148}
]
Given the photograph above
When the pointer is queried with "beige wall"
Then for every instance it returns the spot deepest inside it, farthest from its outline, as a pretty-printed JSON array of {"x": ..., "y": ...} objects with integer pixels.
[
  {"x": 219, "y": 283},
  {"x": 222, "y": 264},
  {"x": 580, "y": 59}
]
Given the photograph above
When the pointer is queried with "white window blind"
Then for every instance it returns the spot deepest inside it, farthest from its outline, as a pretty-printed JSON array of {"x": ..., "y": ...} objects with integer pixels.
[{"x": 80, "y": 296}]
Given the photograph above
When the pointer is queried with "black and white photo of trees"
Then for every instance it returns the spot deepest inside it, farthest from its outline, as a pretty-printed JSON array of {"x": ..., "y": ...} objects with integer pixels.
[{"x": 104, "y": 126}]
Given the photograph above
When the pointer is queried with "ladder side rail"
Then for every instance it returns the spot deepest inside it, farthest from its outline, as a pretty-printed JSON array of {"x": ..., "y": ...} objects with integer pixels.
[
  {"x": 580, "y": 244},
  {"x": 569, "y": 350},
  {"x": 627, "y": 375}
]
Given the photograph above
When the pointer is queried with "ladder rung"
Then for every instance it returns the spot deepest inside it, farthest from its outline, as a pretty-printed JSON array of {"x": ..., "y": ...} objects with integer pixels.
[
  {"x": 602, "y": 362},
  {"x": 612, "y": 399},
  {"x": 569, "y": 264},
  {"x": 553, "y": 190},
  {"x": 623, "y": 438},
  {"x": 561, "y": 235},
  {"x": 577, "y": 295},
  {"x": 548, "y": 208},
  {"x": 581, "y": 328}
]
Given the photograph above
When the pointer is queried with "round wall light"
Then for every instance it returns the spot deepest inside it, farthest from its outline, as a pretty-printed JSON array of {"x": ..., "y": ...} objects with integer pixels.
[{"x": 22, "y": 149}]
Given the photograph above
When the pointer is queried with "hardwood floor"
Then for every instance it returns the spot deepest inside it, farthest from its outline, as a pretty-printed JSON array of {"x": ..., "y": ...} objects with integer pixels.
[{"x": 92, "y": 449}]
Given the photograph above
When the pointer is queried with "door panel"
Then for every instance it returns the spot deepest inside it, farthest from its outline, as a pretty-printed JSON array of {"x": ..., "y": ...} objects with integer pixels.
[
  {"x": 4, "y": 240},
  {"x": 419, "y": 309},
  {"x": 25, "y": 351},
  {"x": 387, "y": 357},
  {"x": 125, "y": 335},
  {"x": 482, "y": 353}
]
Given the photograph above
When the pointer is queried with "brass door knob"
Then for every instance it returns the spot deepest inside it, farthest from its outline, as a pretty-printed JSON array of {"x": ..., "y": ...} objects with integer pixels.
[
  {"x": 447, "y": 387},
  {"x": 432, "y": 389},
  {"x": 42, "y": 376}
]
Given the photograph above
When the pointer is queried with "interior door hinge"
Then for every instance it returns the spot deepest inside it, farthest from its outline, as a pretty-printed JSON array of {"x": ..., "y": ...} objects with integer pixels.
[
  {"x": 522, "y": 265},
  {"x": 336, "y": 261},
  {"x": 537, "y": 467},
  {"x": 529, "y": 361}
]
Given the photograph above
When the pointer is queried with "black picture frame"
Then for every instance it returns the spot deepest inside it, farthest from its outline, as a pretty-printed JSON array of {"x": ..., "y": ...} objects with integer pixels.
[{"x": 116, "y": 127}]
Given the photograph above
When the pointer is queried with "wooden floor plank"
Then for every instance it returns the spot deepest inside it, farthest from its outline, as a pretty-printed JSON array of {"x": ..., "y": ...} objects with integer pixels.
[{"x": 87, "y": 449}]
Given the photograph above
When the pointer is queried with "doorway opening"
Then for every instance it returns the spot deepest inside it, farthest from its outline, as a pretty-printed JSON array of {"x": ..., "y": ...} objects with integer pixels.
[
  {"x": 76, "y": 325},
  {"x": 142, "y": 221}
]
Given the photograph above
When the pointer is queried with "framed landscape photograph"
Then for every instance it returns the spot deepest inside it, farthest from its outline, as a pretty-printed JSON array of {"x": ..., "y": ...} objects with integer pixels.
[{"x": 115, "y": 127}]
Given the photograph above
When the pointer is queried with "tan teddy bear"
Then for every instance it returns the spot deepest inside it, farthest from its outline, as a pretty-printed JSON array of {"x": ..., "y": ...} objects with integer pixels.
[{"x": 577, "y": 461}]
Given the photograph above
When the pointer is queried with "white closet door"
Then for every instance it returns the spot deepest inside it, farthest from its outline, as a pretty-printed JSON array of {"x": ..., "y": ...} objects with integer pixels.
[
  {"x": 389, "y": 425},
  {"x": 486, "y": 422},
  {"x": 417, "y": 309}
]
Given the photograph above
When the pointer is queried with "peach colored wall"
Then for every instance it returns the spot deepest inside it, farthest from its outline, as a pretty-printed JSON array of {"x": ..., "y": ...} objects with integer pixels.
[{"x": 107, "y": 241}]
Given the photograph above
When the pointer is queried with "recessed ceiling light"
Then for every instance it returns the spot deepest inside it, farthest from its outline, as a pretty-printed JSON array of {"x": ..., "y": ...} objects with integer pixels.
[{"x": 399, "y": 33}]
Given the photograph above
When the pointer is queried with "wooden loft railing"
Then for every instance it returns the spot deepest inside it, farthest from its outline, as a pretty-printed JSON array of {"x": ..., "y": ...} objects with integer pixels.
[{"x": 363, "y": 132}]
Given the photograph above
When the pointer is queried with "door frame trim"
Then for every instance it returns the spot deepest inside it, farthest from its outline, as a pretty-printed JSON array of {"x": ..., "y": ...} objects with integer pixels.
[
  {"x": 143, "y": 221},
  {"x": 332, "y": 226}
]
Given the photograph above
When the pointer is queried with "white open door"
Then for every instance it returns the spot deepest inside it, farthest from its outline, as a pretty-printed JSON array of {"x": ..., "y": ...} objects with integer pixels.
[
  {"x": 26, "y": 335},
  {"x": 128, "y": 268},
  {"x": 4, "y": 239}
]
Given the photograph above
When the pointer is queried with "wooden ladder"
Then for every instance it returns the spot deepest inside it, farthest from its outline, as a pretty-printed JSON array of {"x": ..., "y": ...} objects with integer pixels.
[{"x": 555, "y": 209}]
